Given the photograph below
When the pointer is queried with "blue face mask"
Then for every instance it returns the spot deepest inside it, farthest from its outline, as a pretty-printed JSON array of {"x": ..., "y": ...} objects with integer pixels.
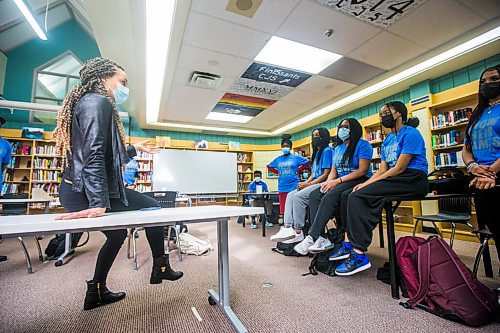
[
  {"x": 285, "y": 150},
  {"x": 121, "y": 93},
  {"x": 258, "y": 179},
  {"x": 343, "y": 133},
  {"x": 305, "y": 175}
]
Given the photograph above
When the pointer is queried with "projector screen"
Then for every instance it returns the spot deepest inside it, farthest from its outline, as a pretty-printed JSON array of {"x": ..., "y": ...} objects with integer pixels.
[{"x": 195, "y": 171}]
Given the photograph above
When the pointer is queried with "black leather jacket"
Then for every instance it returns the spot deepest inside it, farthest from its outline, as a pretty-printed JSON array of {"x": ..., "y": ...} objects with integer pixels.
[{"x": 97, "y": 155}]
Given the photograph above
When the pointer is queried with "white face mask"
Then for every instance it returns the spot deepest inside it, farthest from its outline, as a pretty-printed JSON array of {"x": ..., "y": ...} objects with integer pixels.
[
  {"x": 258, "y": 179},
  {"x": 121, "y": 93}
]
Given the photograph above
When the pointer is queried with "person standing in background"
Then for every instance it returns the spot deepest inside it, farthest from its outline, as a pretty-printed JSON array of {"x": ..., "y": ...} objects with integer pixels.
[
  {"x": 5, "y": 157},
  {"x": 130, "y": 174},
  {"x": 481, "y": 152}
]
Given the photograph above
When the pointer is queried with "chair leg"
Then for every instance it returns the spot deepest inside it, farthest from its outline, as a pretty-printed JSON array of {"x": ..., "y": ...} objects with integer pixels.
[
  {"x": 452, "y": 236},
  {"x": 437, "y": 229},
  {"x": 415, "y": 227},
  {"x": 28, "y": 260},
  {"x": 381, "y": 234},
  {"x": 39, "y": 248},
  {"x": 129, "y": 235},
  {"x": 484, "y": 245},
  {"x": 134, "y": 249}
]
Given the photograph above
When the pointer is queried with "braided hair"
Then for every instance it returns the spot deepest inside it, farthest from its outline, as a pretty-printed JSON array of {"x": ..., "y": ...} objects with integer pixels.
[
  {"x": 482, "y": 103},
  {"x": 355, "y": 133},
  {"x": 324, "y": 134},
  {"x": 91, "y": 76}
]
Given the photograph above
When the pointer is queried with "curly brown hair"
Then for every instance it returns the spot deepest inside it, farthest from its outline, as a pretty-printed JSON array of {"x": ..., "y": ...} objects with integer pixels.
[{"x": 91, "y": 76}]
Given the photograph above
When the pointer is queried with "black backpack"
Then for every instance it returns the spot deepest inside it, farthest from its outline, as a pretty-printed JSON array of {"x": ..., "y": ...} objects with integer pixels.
[
  {"x": 286, "y": 249},
  {"x": 321, "y": 262},
  {"x": 57, "y": 244}
]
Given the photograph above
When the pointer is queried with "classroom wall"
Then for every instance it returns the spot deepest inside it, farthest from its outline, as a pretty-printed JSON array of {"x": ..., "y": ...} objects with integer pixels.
[
  {"x": 3, "y": 68},
  {"x": 261, "y": 159}
]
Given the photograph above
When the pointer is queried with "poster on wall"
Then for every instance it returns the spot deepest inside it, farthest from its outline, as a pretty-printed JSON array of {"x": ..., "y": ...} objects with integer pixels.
[
  {"x": 242, "y": 105},
  {"x": 259, "y": 89},
  {"x": 381, "y": 13},
  {"x": 274, "y": 74}
]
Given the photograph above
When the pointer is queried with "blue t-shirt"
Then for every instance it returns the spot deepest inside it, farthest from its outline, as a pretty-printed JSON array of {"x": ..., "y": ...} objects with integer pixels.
[
  {"x": 324, "y": 163},
  {"x": 253, "y": 186},
  {"x": 407, "y": 141},
  {"x": 5, "y": 155},
  {"x": 363, "y": 150},
  {"x": 130, "y": 173},
  {"x": 287, "y": 166},
  {"x": 485, "y": 137}
]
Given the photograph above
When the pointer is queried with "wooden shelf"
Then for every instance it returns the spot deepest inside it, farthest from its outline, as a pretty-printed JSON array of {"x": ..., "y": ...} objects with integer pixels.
[
  {"x": 144, "y": 182},
  {"x": 51, "y": 169},
  {"x": 245, "y": 162},
  {"x": 49, "y": 156},
  {"x": 376, "y": 143},
  {"x": 141, "y": 159},
  {"x": 449, "y": 128},
  {"x": 21, "y": 155},
  {"x": 45, "y": 181},
  {"x": 439, "y": 149},
  {"x": 245, "y": 172},
  {"x": 18, "y": 168},
  {"x": 17, "y": 181}
]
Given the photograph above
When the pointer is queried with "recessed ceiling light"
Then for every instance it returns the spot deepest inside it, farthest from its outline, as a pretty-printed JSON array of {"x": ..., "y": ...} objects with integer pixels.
[
  {"x": 233, "y": 118},
  {"x": 286, "y": 53}
]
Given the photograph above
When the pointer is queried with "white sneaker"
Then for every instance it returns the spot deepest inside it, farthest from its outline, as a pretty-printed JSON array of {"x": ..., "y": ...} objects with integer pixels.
[
  {"x": 296, "y": 239},
  {"x": 283, "y": 235},
  {"x": 322, "y": 244},
  {"x": 303, "y": 246}
]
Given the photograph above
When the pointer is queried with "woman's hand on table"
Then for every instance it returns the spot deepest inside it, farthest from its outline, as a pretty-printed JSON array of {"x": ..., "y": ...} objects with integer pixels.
[{"x": 87, "y": 213}]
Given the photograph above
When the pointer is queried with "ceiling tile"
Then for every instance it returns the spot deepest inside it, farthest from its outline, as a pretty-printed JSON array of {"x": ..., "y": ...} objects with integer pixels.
[
  {"x": 353, "y": 71},
  {"x": 201, "y": 60},
  {"x": 349, "y": 32},
  {"x": 198, "y": 94},
  {"x": 437, "y": 22},
  {"x": 277, "y": 114},
  {"x": 326, "y": 86},
  {"x": 213, "y": 34},
  {"x": 268, "y": 17},
  {"x": 305, "y": 98},
  {"x": 489, "y": 9},
  {"x": 387, "y": 51}
]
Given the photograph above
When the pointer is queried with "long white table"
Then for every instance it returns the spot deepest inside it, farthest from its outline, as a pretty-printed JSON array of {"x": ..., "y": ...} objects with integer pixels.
[{"x": 26, "y": 225}]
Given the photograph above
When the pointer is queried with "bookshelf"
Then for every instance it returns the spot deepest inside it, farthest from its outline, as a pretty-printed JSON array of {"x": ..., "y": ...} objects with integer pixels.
[
  {"x": 145, "y": 172},
  {"x": 245, "y": 165},
  {"x": 375, "y": 134}
]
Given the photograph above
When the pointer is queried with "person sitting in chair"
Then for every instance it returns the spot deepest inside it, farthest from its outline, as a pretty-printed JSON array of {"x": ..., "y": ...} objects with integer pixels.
[{"x": 259, "y": 199}]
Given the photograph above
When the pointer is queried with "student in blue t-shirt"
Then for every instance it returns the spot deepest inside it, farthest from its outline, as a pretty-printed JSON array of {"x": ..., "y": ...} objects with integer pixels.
[
  {"x": 403, "y": 171},
  {"x": 5, "y": 157},
  {"x": 298, "y": 199},
  {"x": 287, "y": 167},
  {"x": 130, "y": 174},
  {"x": 259, "y": 199},
  {"x": 351, "y": 166},
  {"x": 481, "y": 153}
]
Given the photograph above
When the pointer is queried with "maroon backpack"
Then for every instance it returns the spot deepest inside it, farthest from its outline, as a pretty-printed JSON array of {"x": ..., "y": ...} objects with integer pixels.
[{"x": 439, "y": 282}]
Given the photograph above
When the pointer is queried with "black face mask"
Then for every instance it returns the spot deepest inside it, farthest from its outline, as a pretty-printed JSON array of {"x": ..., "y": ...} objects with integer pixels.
[
  {"x": 316, "y": 141},
  {"x": 490, "y": 90},
  {"x": 388, "y": 121}
]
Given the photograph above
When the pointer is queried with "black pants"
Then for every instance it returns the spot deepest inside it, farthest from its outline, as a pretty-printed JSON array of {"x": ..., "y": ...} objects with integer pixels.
[
  {"x": 75, "y": 201},
  {"x": 268, "y": 208},
  {"x": 363, "y": 208},
  {"x": 324, "y": 206},
  {"x": 486, "y": 202}
]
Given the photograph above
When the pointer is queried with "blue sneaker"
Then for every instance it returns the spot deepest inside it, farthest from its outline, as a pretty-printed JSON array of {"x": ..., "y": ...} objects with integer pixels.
[
  {"x": 253, "y": 225},
  {"x": 354, "y": 264},
  {"x": 269, "y": 225},
  {"x": 342, "y": 253}
]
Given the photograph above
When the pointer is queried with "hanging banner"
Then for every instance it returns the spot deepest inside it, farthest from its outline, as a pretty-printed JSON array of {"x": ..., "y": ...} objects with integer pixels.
[
  {"x": 259, "y": 89},
  {"x": 275, "y": 75},
  {"x": 242, "y": 105}
]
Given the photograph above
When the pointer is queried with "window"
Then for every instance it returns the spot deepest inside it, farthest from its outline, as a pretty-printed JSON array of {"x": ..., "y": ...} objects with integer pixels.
[{"x": 52, "y": 81}]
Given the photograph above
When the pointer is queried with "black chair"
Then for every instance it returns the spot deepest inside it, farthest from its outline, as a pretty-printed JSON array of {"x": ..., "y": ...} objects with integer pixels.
[
  {"x": 455, "y": 210},
  {"x": 484, "y": 236},
  {"x": 20, "y": 209},
  {"x": 166, "y": 199}
]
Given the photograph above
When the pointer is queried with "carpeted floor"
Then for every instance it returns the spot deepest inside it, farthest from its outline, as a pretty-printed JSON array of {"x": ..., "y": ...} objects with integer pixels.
[{"x": 51, "y": 299}]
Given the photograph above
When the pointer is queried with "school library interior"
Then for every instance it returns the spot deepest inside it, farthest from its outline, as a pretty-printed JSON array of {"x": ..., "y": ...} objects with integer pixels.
[{"x": 249, "y": 165}]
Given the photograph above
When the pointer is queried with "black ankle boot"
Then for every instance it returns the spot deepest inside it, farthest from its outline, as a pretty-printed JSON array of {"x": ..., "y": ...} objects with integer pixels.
[
  {"x": 98, "y": 294},
  {"x": 163, "y": 271}
]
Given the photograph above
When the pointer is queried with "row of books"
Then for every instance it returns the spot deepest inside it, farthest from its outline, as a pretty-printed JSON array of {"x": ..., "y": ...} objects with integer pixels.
[
  {"x": 451, "y": 118},
  {"x": 46, "y": 150},
  {"x": 451, "y": 138},
  {"x": 143, "y": 188},
  {"x": 144, "y": 176},
  {"x": 142, "y": 154},
  {"x": 375, "y": 136},
  {"x": 245, "y": 177},
  {"x": 47, "y": 175},
  {"x": 449, "y": 159},
  {"x": 20, "y": 149},
  {"x": 52, "y": 188},
  {"x": 144, "y": 166},
  {"x": 47, "y": 163},
  {"x": 13, "y": 188}
]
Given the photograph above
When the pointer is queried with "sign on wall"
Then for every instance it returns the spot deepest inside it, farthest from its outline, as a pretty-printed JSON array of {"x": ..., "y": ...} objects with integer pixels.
[
  {"x": 381, "y": 13},
  {"x": 259, "y": 89},
  {"x": 276, "y": 75}
]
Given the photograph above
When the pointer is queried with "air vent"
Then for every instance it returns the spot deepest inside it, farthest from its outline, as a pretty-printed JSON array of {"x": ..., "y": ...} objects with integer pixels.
[
  {"x": 214, "y": 132},
  {"x": 420, "y": 100},
  {"x": 204, "y": 80}
]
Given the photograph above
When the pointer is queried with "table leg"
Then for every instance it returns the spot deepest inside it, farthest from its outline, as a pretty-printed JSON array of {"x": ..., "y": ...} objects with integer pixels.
[
  {"x": 222, "y": 299},
  {"x": 391, "y": 237},
  {"x": 263, "y": 222},
  {"x": 46, "y": 210},
  {"x": 381, "y": 233}
]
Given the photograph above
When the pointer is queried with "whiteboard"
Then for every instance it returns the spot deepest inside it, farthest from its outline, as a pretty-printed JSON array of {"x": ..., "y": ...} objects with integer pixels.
[{"x": 195, "y": 171}]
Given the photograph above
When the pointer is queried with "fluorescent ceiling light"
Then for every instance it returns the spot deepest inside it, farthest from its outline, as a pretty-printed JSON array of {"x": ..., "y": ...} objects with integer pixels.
[
  {"x": 234, "y": 118},
  {"x": 285, "y": 53},
  {"x": 31, "y": 20},
  {"x": 212, "y": 128},
  {"x": 159, "y": 21},
  {"x": 450, "y": 54}
]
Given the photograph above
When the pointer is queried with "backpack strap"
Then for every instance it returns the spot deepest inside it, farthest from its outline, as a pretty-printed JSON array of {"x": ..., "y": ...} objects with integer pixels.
[{"x": 423, "y": 268}]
